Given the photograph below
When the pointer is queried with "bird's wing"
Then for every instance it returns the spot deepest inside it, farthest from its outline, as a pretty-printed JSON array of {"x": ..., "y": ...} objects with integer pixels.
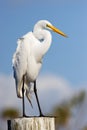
[{"x": 19, "y": 60}]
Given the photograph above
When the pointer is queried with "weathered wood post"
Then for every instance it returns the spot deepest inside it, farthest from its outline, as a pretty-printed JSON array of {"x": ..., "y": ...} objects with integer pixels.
[{"x": 32, "y": 123}]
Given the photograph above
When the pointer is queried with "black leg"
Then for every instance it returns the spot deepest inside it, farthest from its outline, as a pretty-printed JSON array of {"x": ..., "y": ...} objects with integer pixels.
[
  {"x": 23, "y": 101},
  {"x": 35, "y": 91}
]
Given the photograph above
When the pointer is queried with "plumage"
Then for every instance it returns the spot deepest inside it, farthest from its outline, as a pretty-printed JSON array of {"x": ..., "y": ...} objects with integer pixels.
[{"x": 27, "y": 60}]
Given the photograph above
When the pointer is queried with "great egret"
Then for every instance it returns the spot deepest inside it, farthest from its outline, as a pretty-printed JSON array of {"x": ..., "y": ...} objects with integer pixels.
[{"x": 27, "y": 60}]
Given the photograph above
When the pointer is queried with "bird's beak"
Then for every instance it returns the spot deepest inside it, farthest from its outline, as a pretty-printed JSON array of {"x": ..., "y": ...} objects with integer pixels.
[{"x": 56, "y": 30}]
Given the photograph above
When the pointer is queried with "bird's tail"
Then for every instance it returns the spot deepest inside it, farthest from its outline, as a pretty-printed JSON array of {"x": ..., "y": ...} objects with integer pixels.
[{"x": 29, "y": 92}]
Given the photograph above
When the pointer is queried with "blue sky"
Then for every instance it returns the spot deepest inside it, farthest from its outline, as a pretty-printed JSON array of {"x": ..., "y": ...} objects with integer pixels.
[{"x": 67, "y": 56}]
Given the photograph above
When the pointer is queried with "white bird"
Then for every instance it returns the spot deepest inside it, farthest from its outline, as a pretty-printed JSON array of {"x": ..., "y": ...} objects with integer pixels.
[{"x": 27, "y": 60}]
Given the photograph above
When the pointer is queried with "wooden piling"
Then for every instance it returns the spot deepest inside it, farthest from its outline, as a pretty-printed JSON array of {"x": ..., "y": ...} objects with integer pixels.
[{"x": 33, "y": 123}]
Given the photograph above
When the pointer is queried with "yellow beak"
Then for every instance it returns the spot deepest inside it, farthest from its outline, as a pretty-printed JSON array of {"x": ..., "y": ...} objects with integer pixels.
[{"x": 56, "y": 30}]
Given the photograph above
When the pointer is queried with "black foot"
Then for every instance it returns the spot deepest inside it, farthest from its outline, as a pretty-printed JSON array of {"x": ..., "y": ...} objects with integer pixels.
[
  {"x": 24, "y": 115},
  {"x": 41, "y": 115}
]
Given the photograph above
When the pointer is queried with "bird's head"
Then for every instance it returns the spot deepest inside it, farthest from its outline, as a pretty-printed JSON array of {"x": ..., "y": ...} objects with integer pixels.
[{"x": 44, "y": 24}]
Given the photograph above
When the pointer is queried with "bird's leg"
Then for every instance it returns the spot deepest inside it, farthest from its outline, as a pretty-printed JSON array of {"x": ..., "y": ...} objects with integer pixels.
[
  {"x": 23, "y": 101},
  {"x": 35, "y": 91}
]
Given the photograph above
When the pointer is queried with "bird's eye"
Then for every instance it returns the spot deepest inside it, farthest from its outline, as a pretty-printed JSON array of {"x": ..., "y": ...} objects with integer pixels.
[{"x": 47, "y": 25}]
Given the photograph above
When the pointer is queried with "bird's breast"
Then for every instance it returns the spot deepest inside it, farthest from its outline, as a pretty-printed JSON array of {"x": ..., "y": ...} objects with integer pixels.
[{"x": 33, "y": 69}]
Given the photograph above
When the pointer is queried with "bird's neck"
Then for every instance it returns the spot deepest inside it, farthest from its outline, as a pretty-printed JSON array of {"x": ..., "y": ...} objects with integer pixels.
[{"x": 45, "y": 40}]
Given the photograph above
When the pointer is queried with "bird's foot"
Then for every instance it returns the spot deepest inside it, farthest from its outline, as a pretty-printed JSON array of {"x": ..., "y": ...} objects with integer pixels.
[
  {"x": 41, "y": 115},
  {"x": 24, "y": 115}
]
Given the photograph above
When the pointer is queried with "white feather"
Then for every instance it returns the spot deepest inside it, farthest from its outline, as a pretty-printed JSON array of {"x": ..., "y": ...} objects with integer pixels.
[{"x": 27, "y": 60}]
